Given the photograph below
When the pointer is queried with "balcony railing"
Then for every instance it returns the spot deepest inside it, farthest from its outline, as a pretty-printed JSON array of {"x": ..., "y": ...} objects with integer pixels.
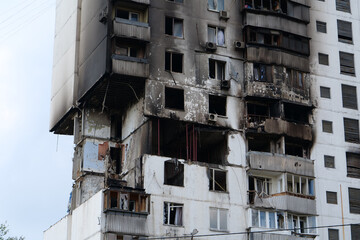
[
  {"x": 131, "y": 29},
  {"x": 130, "y": 66}
]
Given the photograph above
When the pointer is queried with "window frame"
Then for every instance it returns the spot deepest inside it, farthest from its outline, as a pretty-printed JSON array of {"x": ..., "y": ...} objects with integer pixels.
[
  {"x": 327, "y": 158},
  {"x": 343, "y": 8},
  {"x": 169, "y": 205},
  {"x": 171, "y": 61},
  {"x": 320, "y": 25},
  {"x": 323, "y": 59},
  {"x": 172, "y": 34},
  {"x": 217, "y": 64},
  {"x": 322, "y": 94},
  {"x": 347, "y": 66},
  {"x": 215, "y": 3},
  {"x": 355, "y": 203},
  {"x": 218, "y": 219},
  {"x": 213, "y": 183},
  {"x": 345, "y": 34},
  {"x": 330, "y": 199},
  {"x": 216, "y": 35},
  {"x": 351, "y": 136},
  {"x": 327, "y": 126}
]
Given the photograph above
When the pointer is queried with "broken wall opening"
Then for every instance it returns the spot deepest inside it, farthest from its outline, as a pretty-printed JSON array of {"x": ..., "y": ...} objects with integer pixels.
[
  {"x": 296, "y": 147},
  {"x": 174, "y": 98},
  {"x": 259, "y": 111},
  {"x": 182, "y": 140},
  {"x": 296, "y": 113},
  {"x": 173, "y": 173},
  {"x": 217, "y": 105}
]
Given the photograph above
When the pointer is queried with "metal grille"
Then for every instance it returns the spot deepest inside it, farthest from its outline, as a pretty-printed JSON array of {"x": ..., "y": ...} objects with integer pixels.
[
  {"x": 353, "y": 164},
  {"x": 349, "y": 96},
  {"x": 347, "y": 63}
]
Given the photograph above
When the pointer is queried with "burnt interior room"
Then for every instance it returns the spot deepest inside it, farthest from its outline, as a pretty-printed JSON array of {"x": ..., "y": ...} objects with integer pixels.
[
  {"x": 259, "y": 111},
  {"x": 173, "y": 173},
  {"x": 296, "y": 147},
  {"x": 189, "y": 141},
  {"x": 296, "y": 113},
  {"x": 259, "y": 142},
  {"x": 217, "y": 105}
]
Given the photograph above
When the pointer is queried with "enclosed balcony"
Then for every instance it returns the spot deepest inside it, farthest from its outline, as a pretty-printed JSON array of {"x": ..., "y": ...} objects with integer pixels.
[
  {"x": 274, "y": 236},
  {"x": 131, "y": 29},
  {"x": 126, "y": 211}
]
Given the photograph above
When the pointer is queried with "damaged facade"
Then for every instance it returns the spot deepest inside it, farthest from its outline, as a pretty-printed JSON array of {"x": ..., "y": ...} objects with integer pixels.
[{"x": 192, "y": 115}]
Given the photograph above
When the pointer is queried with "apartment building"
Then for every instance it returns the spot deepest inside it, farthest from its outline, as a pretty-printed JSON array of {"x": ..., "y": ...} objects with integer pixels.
[{"x": 213, "y": 119}]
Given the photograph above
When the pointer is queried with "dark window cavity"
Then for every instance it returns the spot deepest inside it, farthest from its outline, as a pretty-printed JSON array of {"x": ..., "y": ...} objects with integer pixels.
[
  {"x": 174, "y": 173},
  {"x": 349, "y": 96},
  {"x": 321, "y": 26},
  {"x": 329, "y": 161},
  {"x": 217, "y": 180},
  {"x": 331, "y": 197},
  {"x": 216, "y": 69},
  {"x": 325, "y": 92},
  {"x": 323, "y": 59},
  {"x": 174, "y": 98},
  {"x": 174, "y": 62},
  {"x": 327, "y": 126},
  {"x": 174, "y": 27},
  {"x": 353, "y": 164},
  {"x": 262, "y": 73},
  {"x": 344, "y": 31},
  {"x": 347, "y": 63},
  {"x": 351, "y": 130},
  {"x": 217, "y": 105}
]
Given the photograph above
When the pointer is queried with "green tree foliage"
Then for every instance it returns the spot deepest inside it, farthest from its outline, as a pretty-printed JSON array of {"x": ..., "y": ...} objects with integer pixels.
[{"x": 4, "y": 231}]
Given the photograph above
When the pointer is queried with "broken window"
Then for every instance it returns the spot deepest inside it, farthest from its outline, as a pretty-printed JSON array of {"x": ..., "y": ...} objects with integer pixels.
[
  {"x": 216, "y": 35},
  {"x": 347, "y": 63},
  {"x": 217, "y": 105},
  {"x": 261, "y": 186},
  {"x": 116, "y": 126},
  {"x": 354, "y": 200},
  {"x": 259, "y": 144},
  {"x": 323, "y": 59},
  {"x": 262, "y": 73},
  {"x": 344, "y": 31},
  {"x": 351, "y": 130},
  {"x": 174, "y": 98},
  {"x": 115, "y": 155},
  {"x": 126, "y": 201},
  {"x": 343, "y": 5},
  {"x": 325, "y": 92},
  {"x": 174, "y": 173},
  {"x": 300, "y": 185},
  {"x": 217, "y": 180},
  {"x": 297, "y": 148},
  {"x": 321, "y": 26},
  {"x": 218, "y": 219},
  {"x": 355, "y": 231},
  {"x": 174, "y": 62},
  {"x": 128, "y": 15},
  {"x": 327, "y": 126},
  {"x": 274, "y": 5},
  {"x": 173, "y": 214},
  {"x": 216, "y": 69},
  {"x": 331, "y": 197},
  {"x": 353, "y": 164},
  {"x": 174, "y": 27},
  {"x": 216, "y": 5},
  {"x": 329, "y": 161},
  {"x": 296, "y": 113},
  {"x": 349, "y": 96},
  {"x": 333, "y": 234}
]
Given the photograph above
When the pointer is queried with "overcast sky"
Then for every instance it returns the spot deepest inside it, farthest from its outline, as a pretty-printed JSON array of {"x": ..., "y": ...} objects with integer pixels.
[{"x": 35, "y": 165}]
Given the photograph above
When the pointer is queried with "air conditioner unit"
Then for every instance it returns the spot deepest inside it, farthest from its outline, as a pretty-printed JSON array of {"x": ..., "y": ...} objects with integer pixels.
[
  {"x": 225, "y": 84},
  {"x": 212, "y": 117},
  {"x": 103, "y": 16},
  {"x": 224, "y": 15},
  {"x": 210, "y": 46},
  {"x": 239, "y": 45}
]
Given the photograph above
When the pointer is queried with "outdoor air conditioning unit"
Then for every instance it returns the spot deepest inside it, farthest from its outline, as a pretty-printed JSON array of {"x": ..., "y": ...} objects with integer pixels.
[
  {"x": 210, "y": 46},
  {"x": 224, "y": 15},
  {"x": 212, "y": 117},
  {"x": 103, "y": 16},
  {"x": 225, "y": 84},
  {"x": 239, "y": 45}
]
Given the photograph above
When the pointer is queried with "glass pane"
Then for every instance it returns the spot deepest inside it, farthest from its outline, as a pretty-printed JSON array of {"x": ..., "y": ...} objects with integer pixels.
[
  {"x": 213, "y": 218},
  {"x": 255, "y": 218},
  {"x": 311, "y": 187},
  {"x": 290, "y": 222},
  {"x": 134, "y": 17},
  {"x": 220, "y": 71},
  {"x": 223, "y": 219},
  {"x": 166, "y": 213},
  {"x": 312, "y": 223},
  {"x": 280, "y": 220},
  {"x": 122, "y": 51},
  {"x": 220, "y": 37},
  {"x": 220, "y": 4},
  {"x": 211, "y": 34},
  {"x": 262, "y": 219},
  {"x": 211, "y": 4},
  {"x": 178, "y": 28},
  {"x": 122, "y": 14},
  {"x": 271, "y": 220}
]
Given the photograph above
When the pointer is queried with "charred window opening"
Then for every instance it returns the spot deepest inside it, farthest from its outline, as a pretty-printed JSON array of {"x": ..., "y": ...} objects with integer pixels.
[
  {"x": 353, "y": 164},
  {"x": 132, "y": 201},
  {"x": 127, "y": 48},
  {"x": 116, "y": 127},
  {"x": 128, "y": 15},
  {"x": 217, "y": 180},
  {"x": 351, "y": 130},
  {"x": 262, "y": 73},
  {"x": 325, "y": 92},
  {"x": 354, "y": 200},
  {"x": 174, "y": 27},
  {"x": 349, "y": 96},
  {"x": 173, "y": 213},
  {"x": 296, "y": 113},
  {"x": 188, "y": 141},
  {"x": 347, "y": 63},
  {"x": 174, "y": 98},
  {"x": 174, "y": 62},
  {"x": 115, "y": 154},
  {"x": 216, "y": 69},
  {"x": 258, "y": 112},
  {"x": 297, "y": 148},
  {"x": 296, "y": 79},
  {"x": 259, "y": 143},
  {"x": 217, "y": 105},
  {"x": 329, "y": 161},
  {"x": 174, "y": 173},
  {"x": 344, "y": 31},
  {"x": 271, "y": 38}
]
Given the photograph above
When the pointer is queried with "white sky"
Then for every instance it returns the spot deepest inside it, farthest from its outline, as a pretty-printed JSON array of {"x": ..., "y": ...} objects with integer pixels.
[{"x": 35, "y": 165}]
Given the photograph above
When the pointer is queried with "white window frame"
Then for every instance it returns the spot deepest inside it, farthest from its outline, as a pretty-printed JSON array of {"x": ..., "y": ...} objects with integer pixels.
[
  {"x": 300, "y": 180},
  {"x": 218, "y": 222},
  {"x": 170, "y": 205},
  {"x": 216, "y": 5},
  {"x": 216, "y": 28}
]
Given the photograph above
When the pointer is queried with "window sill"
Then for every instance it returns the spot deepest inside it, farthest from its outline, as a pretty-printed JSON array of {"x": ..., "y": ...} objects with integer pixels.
[
  {"x": 218, "y": 230},
  {"x": 217, "y": 191},
  {"x": 171, "y": 225},
  {"x": 174, "y": 37},
  {"x": 173, "y": 185}
]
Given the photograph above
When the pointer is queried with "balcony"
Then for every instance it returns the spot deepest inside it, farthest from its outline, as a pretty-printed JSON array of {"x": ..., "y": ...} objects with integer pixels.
[
  {"x": 130, "y": 66},
  {"x": 279, "y": 126},
  {"x": 145, "y": 2},
  {"x": 126, "y": 211},
  {"x": 280, "y": 163},
  {"x": 274, "y": 236},
  {"x": 131, "y": 29}
]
